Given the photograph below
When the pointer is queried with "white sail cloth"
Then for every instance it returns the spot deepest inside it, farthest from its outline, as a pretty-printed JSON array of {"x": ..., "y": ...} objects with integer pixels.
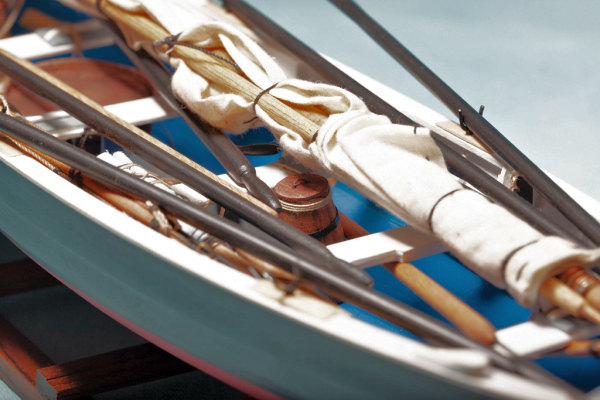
[{"x": 396, "y": 166}]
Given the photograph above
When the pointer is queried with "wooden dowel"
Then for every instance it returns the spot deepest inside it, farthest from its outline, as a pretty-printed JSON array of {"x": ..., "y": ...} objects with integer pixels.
[
  {"x": 461, "y": 315},
  {"x": 352, "y": 229},
  {"x": 33, "y": 19},
  {"x": 553, "y": 289},
  {"x": 582, "y": 282},
  {"x": 566, "y": 298}
]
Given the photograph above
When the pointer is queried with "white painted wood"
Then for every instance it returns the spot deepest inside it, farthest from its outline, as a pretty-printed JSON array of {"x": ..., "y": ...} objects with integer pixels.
[
  {"x": 402, "y": 244},
  {"x": 138, "y": 112},
  {"x": 49, "y": 42},
  {"x": 531, "y": 337}
]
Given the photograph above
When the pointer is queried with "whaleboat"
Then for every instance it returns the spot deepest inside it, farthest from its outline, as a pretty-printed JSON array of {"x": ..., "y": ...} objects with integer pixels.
[{"x": 246, "y": 328}]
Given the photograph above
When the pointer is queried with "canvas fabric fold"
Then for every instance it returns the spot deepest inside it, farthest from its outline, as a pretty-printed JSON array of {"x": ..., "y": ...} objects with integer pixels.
[{"x": 398, "y": 167}]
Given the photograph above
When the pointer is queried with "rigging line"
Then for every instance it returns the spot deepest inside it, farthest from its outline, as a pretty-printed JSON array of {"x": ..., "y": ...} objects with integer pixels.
[
  {"x": 270, "y": 250},
  {"x": 475, "y": 122},
  {"x": 266, "y": 27},
  {"x": 172, "y": 162},
  {"x": 239, "y": 168}
]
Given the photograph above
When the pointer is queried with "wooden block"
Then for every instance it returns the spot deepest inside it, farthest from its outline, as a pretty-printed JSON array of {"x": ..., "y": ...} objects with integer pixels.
[
  {"x": 108, "y": 371},
  {"x": 19, "y": 360},
  {"x": 22, "y": 276}
]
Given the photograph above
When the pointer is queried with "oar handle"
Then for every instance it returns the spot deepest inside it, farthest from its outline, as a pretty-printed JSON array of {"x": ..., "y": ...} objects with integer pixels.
[{"x": 461, "y": 315}]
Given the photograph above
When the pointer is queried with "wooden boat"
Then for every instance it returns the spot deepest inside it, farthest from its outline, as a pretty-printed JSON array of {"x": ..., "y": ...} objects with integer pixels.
[{"x": 250, "y": 334}]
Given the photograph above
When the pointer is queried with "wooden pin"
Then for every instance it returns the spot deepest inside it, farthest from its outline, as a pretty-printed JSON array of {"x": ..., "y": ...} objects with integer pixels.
[
  {"x": 559, "y": 294},
  {"x": 583, "y": 283}
]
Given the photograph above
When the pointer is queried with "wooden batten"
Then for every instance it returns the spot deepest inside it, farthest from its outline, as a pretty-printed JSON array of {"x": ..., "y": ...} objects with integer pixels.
[
  {"x": 19, "y": 360},
  {"x": 108, "y": 371}
]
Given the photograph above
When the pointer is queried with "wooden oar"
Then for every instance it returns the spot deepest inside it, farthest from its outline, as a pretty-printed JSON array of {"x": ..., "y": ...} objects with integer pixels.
[
  {"x": 172, "y": 162},
  {"x": 468, "y": 320},
  {"x": 461, "y": 315},
  {"x": 341, "y": 286}
]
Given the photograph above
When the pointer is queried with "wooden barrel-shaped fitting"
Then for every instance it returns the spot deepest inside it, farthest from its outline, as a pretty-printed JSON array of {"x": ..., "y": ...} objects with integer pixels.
[
  {"x": 102, "y": 81},
  {"x": 306, "y": 204}
]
